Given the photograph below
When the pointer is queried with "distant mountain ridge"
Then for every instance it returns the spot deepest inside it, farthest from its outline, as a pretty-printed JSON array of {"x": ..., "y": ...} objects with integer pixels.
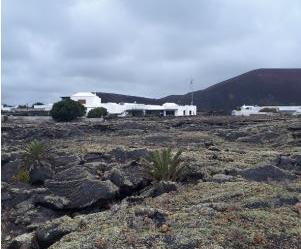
[
  {"x": 257, "y": 87},
  {"x": 121, "y": 98}
]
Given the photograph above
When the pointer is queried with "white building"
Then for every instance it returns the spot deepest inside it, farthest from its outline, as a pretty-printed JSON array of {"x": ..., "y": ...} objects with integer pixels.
[
  {"x": 7, "y": 108},
  {"x": 46, "y": 107},
  {"x": 91, "y": 101},
  {"x": 247, "y": 110}
]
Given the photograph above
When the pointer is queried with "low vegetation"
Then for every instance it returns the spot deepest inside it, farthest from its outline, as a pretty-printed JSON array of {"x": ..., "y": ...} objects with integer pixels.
[
  {"x": 240, "y": 183},
  {"x": 22, "y": 175},
  {"x": 97, "y": 112},
  {"x": 36, "y": 153},
  {"x": 67, "y": 110},
  {"x": 163, "y": 165}
]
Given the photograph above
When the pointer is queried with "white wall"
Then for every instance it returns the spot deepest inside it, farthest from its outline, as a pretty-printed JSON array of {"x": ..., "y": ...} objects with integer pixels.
[
  {"x": 251, "y": 110},
  {"x": 93, "y": 101},
  {"x": 47, "y": 107},
  {"x": 113, "y": 108},
  {"x": 186, "y": 110}
]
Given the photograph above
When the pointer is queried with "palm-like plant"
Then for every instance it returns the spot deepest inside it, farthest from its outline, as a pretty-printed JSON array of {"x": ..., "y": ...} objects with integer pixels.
[
  {"x": 163, "y": 165},
  {"x": 35, "y": 154}
]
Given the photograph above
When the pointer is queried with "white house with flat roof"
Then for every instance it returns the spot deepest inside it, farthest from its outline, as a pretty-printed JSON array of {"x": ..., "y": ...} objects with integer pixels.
[{"x": 91, "y": 101}]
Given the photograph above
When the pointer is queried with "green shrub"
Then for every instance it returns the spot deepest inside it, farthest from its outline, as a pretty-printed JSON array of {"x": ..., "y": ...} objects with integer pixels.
[
  {"x": 67, "y": 110},
  {"x": 97, "y": 112},
  {"x": 22, "y": 175},
  {"x": 35, "y": 153},
  {"x": 163, "y": 165}
]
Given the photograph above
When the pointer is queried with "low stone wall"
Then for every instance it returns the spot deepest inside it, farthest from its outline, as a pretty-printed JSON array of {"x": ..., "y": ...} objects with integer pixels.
[{"x": 26, "y": 118}]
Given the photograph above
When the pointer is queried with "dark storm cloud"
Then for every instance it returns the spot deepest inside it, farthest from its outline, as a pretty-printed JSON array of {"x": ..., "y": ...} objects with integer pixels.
[{"x": 52, "y": 48}]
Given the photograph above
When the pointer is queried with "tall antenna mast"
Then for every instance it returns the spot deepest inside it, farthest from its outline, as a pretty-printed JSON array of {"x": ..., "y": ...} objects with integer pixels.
[{"x": 191, "y": 89}]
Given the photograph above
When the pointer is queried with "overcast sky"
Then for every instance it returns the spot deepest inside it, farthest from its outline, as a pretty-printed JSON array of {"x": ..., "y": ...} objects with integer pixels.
[{"x": 150, "y": 48}]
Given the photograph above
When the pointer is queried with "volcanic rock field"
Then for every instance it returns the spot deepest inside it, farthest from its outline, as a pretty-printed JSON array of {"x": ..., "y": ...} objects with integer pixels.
[{"x": 240, "y": 186}]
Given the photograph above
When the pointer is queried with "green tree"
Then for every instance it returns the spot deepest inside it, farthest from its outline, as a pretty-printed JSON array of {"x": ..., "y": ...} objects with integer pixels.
[
  {"x": 97, "y": 112},
  {"x": 67, "y": 110}
]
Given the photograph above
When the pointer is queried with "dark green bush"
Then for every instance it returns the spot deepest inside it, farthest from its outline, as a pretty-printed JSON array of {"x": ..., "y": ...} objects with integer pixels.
[
  {"x": 97, "y": 112},
  {"x": 163, "y": 165},
  {"x": 67, "y": 110}
]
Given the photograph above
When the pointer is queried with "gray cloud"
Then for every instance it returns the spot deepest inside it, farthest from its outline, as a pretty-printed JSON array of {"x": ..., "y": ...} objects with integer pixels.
[{"x": 52, "y": 48}]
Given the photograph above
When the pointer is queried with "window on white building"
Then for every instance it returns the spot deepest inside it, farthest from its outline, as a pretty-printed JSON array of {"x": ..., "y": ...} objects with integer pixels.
[{"x": 82, "y": 101}]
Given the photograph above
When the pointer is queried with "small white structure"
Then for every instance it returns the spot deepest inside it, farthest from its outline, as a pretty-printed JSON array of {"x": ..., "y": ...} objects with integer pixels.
[
  {"x": 247, "y": 110},
  {"x": 46, "y": 107},
  {"x": 91, "y": 101},
  {"x": 7, "y": 108}
]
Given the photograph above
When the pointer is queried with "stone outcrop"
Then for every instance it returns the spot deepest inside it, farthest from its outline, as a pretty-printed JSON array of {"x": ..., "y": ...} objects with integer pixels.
[
  {"x": 76, "y": 188},
  {"x": 266, "y": 173},
  {"x": 24, "y": 241},
  {"x": 52, "y": 231}
]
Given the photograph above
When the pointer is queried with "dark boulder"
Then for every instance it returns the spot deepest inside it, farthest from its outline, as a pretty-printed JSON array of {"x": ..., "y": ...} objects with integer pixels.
[
  {"x": 67, "y": 159},
  {"x": 95, "y": 156},
  {"x": 63, "y": 162},
  {"x": 158, "y": 216},
  {"x": 220, "y": 178},
  {"x": 76, "y": 188},
  {"x": 289, "y": 163},
  {"x": 285, "y": 200},
  {"x": 122, "y": 155},
  {"x": 52, "y": 231},
  {"x": 39, "y": 174},
  {"x": 18, "y": 193},
  {"x": 24, "y": 241},
  {"x": 180, "y": 242},
  {"x": 193, "y": 172},
  {"x": 136, "y": 174},
  {"x": 10, "y": 169},
  {"x": 159, "y": 188},
  {"x": 129, "y": 178},
  {"x": 119, "y": 179},
  {"x": 9, "y": 157},
  {"x": 259, "y": 204},
  {"x": 266, "y": 173}
]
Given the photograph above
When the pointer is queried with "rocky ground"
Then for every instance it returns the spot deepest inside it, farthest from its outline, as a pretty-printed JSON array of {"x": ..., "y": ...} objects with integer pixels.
[{"x": 241, "y": 187}]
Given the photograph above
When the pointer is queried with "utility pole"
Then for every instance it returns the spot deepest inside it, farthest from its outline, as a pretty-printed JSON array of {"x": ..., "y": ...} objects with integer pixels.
[{"x": 191, "y": 89}]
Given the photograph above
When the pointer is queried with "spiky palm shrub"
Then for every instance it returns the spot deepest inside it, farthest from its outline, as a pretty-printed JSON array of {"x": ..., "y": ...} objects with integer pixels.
[
  {"x": 35, "y": 154},
  {"x": 163, "y": 165}
]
